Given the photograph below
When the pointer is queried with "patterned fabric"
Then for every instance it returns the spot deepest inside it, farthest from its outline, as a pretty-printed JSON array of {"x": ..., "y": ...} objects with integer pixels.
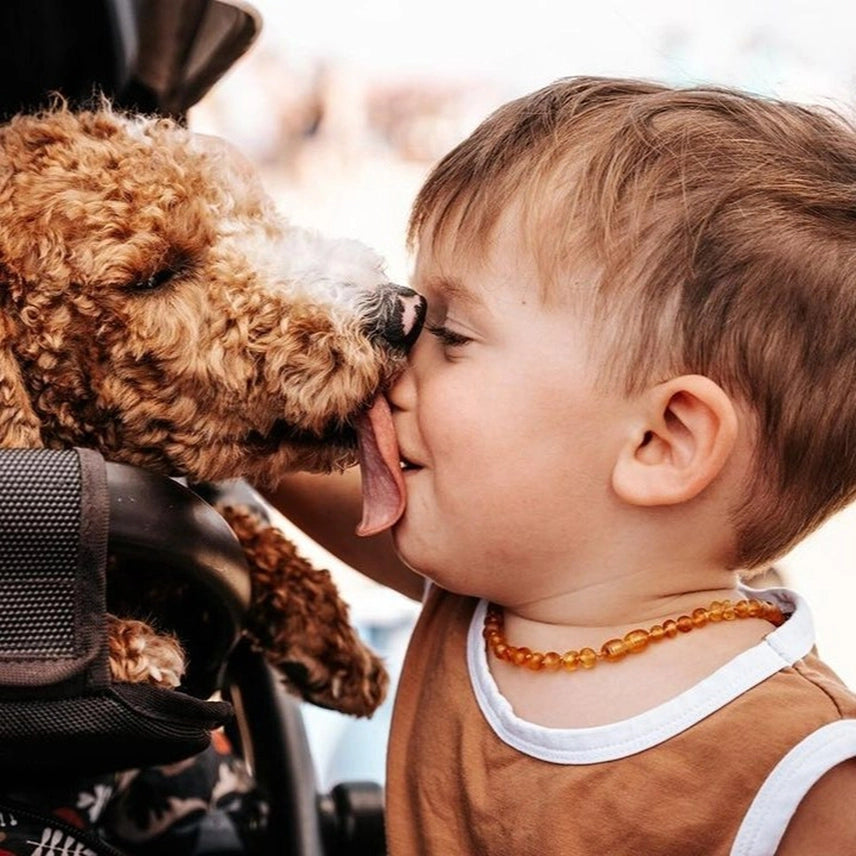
[
  {"x": 203, "y": 806},
  {"x": 57, "y": 820}
]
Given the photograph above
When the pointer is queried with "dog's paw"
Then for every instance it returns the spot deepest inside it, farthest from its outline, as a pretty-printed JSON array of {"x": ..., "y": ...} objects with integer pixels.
[
  {"x": 299, "y": 621},
  {"x": 140, "y": 655},
  {"x": 320, "y": 655},
  {"x": 358, "y": 689}
]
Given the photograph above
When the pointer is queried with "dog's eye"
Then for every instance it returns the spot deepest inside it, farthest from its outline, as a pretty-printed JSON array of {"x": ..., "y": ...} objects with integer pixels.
[{"x": 155, "y": 281}]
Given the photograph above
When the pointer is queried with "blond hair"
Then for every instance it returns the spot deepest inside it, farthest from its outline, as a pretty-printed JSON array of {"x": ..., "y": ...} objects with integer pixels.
[{"x": 722, "y": 227}]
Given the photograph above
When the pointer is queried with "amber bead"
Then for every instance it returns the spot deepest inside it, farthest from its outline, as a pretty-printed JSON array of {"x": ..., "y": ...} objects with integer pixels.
[
  {"x": 741, "y": 608},
  {"x": 685, "y": 624},
  {"x": 670, "y": 628},
  {"x": 494, "y": 638},
  {"x": 570, "y": 660},
  {"x": 520, "y": 655},
  {"x": 772, "y": 613},
  {"x": 614, "y": 649},
  {"x": 552, "y": 661},
  {"x": 588, "y": 658},
  {"x": 699, "y": 617},
  {"x": 534, "y": 661},
  {"x": 656, "y": 633},
  {"x": 715, "y": 611},
  {"x": 637, "y": 640}
]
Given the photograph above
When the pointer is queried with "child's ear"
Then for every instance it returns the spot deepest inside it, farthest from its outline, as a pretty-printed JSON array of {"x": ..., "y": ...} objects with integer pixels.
[{"x": 687, "y": 431}]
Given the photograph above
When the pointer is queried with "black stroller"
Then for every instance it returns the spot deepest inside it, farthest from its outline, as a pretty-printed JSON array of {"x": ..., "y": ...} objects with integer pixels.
[{"x": 63, "y": 513}]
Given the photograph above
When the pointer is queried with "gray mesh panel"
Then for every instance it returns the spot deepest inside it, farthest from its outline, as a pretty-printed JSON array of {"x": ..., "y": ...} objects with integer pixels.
[{"x": 39, "y": 537}]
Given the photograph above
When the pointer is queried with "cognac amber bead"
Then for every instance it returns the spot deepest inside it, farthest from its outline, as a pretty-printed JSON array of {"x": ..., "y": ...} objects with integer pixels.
[
  {"x": 741, "y": 608},
  {"x": 685, "y": 624},
  {"x": 570, "y": 660},
  {"x": 520, "y": 655},
  {"x": 534, "y": 661},
  {"x": 614, "y": 649},
  {"x": 552, "y": 661},
  {"x": 501, "y": 650},
  {"x": 728, "y": 613},
  {"x": 588, "y": 658},
  {"x": 715, "y": 611},
  {"x": 699, "y": 617},
  {"x": 656, "y": 633},
  {"x": 670, "y": 628},
  {"x": 754, "y": 609},
  {"x": 637, "y": 640},
  {"x": 773, "y": 613},
  {"x": 494, "y": 638}
]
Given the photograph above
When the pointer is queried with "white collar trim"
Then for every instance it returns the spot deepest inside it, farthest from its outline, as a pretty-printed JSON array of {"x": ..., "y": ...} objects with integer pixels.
[{"x": 781, "y": 648}]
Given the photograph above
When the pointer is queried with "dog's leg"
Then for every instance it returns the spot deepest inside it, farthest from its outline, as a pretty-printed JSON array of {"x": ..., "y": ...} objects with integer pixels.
[{"x": 299, "y": 621}]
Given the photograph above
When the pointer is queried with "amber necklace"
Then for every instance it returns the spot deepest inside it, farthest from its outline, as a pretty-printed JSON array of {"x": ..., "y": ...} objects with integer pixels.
[{"x": 632, "y": 643}]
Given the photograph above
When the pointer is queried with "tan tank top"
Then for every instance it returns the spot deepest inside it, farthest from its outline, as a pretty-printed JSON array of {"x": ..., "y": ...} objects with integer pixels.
[{"x": 466, "y": 776}]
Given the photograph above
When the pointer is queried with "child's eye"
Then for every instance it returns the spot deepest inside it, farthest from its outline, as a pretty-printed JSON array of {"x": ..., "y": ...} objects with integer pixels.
[{"x": 448, "y": 337}]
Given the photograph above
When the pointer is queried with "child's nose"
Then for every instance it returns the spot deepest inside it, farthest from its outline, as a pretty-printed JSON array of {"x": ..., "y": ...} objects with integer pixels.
[{"x": 402, "y": 394}]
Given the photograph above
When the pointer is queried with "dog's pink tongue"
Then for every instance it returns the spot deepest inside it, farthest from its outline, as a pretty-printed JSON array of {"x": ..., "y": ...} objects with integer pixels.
[{"x": 383, "y": 484}]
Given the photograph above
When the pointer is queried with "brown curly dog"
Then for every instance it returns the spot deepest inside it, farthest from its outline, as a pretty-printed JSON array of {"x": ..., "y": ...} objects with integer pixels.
[{"x": 155, "y": 307}]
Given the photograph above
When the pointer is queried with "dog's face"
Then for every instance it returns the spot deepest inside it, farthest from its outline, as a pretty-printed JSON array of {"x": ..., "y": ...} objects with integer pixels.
[{"x": 159, "y": 310}]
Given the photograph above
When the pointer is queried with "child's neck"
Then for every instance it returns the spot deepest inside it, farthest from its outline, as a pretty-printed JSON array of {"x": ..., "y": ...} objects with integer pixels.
[
  {"x": 614, "y": 691},
  {"x": 626, "y": 595}
]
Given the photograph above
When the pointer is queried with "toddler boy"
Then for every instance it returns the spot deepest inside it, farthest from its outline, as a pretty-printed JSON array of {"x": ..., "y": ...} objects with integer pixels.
[{"x": 636, "y": 382}]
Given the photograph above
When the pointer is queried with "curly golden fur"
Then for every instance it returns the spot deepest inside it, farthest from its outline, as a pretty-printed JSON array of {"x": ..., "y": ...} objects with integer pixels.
[
  {"x": 317, "y": 637},
  {"x": 155, "y": 307}
]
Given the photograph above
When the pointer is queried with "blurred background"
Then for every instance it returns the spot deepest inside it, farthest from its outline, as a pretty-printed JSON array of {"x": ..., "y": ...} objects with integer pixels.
[{"x": 345, "y": 106}]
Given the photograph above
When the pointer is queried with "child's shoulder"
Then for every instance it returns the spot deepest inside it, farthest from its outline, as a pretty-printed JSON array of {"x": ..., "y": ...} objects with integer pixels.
[
  {"x": 803, "y": 719},
  {"x": 824, "y": 821}
]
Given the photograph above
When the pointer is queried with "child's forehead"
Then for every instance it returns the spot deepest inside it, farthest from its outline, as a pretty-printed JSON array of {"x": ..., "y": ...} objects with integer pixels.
[
  {"x": 463, "y": 272},
  {"x": 463, "y": 266},
  {"x": 444, "y": 265}
]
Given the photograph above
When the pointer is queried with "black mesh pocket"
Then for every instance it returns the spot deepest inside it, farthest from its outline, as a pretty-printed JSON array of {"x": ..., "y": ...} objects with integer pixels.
[
  {"x": 126, "y": 726},
  {"x": 53, "y": 545},
  {"x": 58, "y": 708}
]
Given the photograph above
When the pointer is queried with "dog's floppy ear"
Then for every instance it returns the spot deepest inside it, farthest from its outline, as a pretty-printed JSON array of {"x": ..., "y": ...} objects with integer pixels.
[{"x": 19, "y": 425}]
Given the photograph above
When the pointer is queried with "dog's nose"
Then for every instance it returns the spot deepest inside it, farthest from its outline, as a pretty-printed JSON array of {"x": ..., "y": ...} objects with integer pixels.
[{"x": 403, "y": 315}]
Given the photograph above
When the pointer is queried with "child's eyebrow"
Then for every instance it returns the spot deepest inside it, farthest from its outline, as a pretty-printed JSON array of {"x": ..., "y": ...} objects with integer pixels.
[{"x": 449, "y": 288}]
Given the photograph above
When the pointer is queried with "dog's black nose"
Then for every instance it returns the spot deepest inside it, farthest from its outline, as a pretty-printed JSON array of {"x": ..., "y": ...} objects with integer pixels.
[{"x": 402, "y": 314}]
